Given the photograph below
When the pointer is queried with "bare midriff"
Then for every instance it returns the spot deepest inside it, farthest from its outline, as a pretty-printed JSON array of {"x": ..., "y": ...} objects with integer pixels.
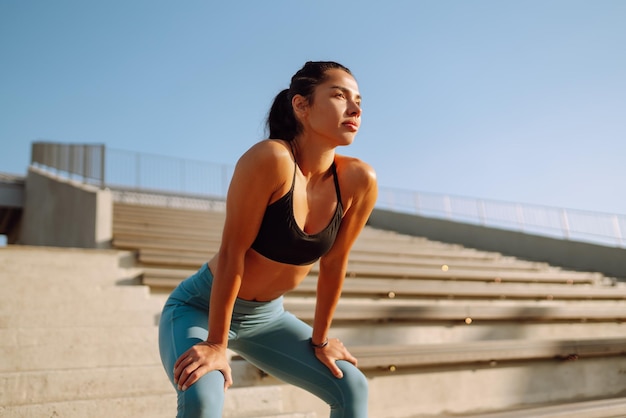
[{"x": 264, "y": 279}]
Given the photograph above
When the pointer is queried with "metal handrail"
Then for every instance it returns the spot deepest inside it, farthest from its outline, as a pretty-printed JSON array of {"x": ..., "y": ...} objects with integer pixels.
[
  {"x": 142, "y": 171},
  {"x": 155, "y": 173},
  {"x": 568, "y": 224}
]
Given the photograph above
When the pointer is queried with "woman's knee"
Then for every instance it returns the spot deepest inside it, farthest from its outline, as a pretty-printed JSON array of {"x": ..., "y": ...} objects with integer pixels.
[
  {"x": 353, "y": 398},
  {"x": 353, "y": 379},
  {"x": 203, "y": 399}
]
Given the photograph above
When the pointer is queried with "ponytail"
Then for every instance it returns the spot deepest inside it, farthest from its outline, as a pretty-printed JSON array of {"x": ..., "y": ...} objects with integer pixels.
[{"x": 281, "y": 121}]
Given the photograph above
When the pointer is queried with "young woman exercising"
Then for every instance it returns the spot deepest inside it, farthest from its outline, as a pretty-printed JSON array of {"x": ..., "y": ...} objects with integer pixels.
[{"x": 292, "y": 201}]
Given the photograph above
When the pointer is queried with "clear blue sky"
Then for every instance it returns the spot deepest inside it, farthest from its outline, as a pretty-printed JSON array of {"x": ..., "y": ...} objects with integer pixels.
[{"x": 521, "y": 101}]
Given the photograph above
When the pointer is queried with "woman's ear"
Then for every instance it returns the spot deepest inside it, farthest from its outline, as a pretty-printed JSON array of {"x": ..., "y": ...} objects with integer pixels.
[{"x": 300, "y": 105}]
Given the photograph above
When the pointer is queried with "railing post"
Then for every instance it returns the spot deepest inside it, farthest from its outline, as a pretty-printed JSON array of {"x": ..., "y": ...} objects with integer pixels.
[
  {"x": 618, "y": 232},
  {"x": 565, "y": 223},
  {"x": 86, "y": 165},
  {"x": 182, "y": 174},
  {"x": 519, "y": 211},
  {"x": 57, "y": 158},
  {"x": 447, "y": 206},
  {"x": 224, "y": 180},
  {"x": 482, "y": 215},
  {"x": 71, "y": 161},
  {"x": 137, "y": 170},
  {"x": 65, "y": 158},
  {"x": 102, "y": 166},
  {"x": 417, "y": 203}
]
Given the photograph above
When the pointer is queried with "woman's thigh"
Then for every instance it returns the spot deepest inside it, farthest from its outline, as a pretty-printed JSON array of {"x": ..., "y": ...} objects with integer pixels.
[
  {"x": 282, "y": 349},
  {"x": 182, "y": 326}
]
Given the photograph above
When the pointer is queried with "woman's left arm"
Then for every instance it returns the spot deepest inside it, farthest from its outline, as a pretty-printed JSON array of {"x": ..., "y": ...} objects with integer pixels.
[{"x": 360, "y": 187}]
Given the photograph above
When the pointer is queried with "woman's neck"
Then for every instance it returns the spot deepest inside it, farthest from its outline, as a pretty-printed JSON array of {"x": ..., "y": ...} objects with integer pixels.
[{"x": 312, "y": 158}]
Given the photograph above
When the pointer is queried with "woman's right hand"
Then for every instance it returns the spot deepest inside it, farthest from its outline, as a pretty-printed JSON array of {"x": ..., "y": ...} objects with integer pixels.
[{"x": 200, "y": 359}]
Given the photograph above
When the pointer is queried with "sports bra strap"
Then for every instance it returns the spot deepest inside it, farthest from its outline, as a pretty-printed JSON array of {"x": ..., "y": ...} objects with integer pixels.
[{"x": 336, "y": 178}]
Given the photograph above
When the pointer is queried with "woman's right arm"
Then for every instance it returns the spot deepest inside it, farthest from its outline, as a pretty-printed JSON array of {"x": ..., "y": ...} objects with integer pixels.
[{"x": 257, "y": 176}]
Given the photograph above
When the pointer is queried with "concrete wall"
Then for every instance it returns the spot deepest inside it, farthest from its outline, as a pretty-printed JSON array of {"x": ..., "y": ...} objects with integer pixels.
[
  {"x": 610, "y": 261},
  {"x": 63, "y": 213}
]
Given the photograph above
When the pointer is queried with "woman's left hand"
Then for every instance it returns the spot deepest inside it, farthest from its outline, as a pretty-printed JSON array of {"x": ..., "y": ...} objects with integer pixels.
[{"x": 333, "y": 351}]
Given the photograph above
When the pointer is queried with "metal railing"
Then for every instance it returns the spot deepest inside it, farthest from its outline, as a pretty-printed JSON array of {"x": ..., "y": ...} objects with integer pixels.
[
  {"x": 154, "y": 173},
  {"x": 569, "y": 224},
  {"x": 141, "y": 171}
]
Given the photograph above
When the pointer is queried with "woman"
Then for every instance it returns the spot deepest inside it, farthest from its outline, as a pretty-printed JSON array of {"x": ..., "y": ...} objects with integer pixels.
[{"x": 291, "y": 201}]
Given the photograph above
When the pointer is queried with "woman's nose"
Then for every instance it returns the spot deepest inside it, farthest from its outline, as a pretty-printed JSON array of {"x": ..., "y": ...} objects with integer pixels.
[{"x": 354, "y": 109}]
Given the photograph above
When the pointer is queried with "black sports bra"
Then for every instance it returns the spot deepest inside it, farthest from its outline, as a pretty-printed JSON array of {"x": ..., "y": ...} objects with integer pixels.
[{"x": 282, "y": 240}]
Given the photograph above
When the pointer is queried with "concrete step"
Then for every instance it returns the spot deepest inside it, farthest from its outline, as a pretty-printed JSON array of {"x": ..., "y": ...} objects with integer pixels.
[
  {"x": 462, "y": 312},
  {"x": 363, "y": 334},
  {"x": 71, "y": 277},
  {"x": 17, "y": 297},
  {"x": 149, "y": 406},
  {"x": 190, "y": 257},
  {"x": 599, "y": 408},
  {"x": 65, "y": 315},
  {"x": 52, "y": 266},
  {"x": 69, "y": 335},
  {"x": 78, "y": 356},
  {"x": 37, "y": 387},
  {"x": 103, "y": 268},
  {"x": 66, "y": 384},
  {"x": 293, "y": 415},
  {"x": 259, "y": 402},
  {"x": 25, "y": 257},
  {"x": 455, "y": 391},
  {"x": 59, "y": 385}
]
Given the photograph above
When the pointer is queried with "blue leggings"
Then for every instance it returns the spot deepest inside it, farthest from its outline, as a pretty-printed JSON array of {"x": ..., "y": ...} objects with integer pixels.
[{"x": 266, "y": 336}]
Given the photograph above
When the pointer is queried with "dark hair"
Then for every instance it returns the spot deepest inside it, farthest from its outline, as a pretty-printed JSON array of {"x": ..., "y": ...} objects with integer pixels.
[{"x": 281, "y": 120}]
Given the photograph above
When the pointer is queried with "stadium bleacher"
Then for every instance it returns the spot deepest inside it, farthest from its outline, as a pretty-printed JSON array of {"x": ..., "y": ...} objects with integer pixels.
[
  {"x": 440, "y": 329},
  {"x": 410, "y": 304}
]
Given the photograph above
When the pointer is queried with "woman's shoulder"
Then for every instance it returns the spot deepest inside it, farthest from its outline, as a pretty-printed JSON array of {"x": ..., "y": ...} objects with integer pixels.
[
  {"x": 358, "y": 184},
  {"x": 269, "y": 151},
  {"x": 265, "y": 166},
  {"x": 355, "y": 170}
]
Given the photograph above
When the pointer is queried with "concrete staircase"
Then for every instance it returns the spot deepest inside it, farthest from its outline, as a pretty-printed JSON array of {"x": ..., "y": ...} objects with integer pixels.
[
  {"x": 439, "y": 329},
  {"x": 78, "y": 338}
]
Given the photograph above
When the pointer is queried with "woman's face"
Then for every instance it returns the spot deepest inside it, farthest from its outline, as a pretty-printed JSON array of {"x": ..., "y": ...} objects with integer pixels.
[{"x": 334, "y": 111}]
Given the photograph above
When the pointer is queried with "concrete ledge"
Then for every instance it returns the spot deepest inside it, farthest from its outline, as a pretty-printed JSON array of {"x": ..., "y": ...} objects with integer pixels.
[
  {"x": 600, "y": 408},
  {"x": 449, "y": 289},
  {"x": 59, "y": 385},
  {"x": 391, "y": 288},
  {"x": 472, "y": 390},
  {"x": 150, "y": 406},
  {"x": 67, "y": 315},
  {"x": 570, "y": 254},
  {"x": 402, "y": 358},
  {"x": 63, "y": 213},
  {"x": 394, "y": 358},
  {"x": 466, "y": 312},
  {"x": 259, "y": 402}
]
